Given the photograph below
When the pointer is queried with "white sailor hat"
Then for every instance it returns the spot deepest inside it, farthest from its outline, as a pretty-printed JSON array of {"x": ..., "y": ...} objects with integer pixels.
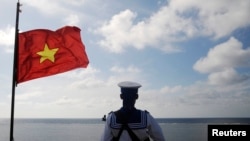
[{"x": 129, "y": 87}]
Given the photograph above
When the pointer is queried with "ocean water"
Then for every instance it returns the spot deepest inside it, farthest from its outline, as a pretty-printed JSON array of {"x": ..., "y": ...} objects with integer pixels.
[{"x": 175, "y": 129}]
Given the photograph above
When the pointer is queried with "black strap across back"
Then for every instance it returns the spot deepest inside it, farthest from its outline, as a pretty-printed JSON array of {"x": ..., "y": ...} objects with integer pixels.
[{"x": 125, "y": 126}]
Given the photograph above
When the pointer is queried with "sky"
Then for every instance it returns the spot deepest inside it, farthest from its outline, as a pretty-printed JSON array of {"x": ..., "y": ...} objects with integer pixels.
[{"x": 190, "y": 56}]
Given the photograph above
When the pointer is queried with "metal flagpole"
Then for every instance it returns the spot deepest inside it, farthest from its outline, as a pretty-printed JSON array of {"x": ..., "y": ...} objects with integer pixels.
[{"x": 14, "y": 83}]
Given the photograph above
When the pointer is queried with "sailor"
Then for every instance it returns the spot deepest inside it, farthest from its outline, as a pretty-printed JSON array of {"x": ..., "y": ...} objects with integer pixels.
[{"x": 129, "y": 123}]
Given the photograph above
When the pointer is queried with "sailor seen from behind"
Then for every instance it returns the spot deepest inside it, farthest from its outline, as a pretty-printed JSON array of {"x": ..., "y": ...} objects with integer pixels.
[{"x": 129, "y": 123}]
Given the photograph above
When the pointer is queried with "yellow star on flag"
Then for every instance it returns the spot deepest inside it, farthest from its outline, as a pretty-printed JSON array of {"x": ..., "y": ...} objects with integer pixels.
[{"x": 47, "y": 54}]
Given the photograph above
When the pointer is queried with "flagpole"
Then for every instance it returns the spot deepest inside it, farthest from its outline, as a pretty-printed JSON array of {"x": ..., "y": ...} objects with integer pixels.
[{"x": 14, "y": 82}]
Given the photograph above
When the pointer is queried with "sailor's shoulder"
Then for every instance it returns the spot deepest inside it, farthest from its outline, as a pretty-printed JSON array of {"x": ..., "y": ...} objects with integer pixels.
[
  {"x": 143, "y": 111},
  {"x": 112, "y": 113}
]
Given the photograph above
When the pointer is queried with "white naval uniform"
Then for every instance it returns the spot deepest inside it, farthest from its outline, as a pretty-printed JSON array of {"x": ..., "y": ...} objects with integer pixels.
[{"x": 147, "y": 127}]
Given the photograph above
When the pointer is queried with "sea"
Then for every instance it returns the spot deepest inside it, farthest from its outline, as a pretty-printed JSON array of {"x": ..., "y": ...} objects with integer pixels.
[{"x": 174, "y": 129}]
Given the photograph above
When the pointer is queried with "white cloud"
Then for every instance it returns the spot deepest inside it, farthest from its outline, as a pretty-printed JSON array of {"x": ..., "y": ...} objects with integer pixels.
[
  {"x": 178, "y": 21},
  {"x": 227, "y": 55},
  {"x": 28, "y": 96},
  {"x": 89, "y": 82},
  {"x": 72, "y": 20},
  {"x": 91, "y": 77},
  {"x": 121, "y": 31},
  {"x": 74, "y": 2},
  {"x": 216, "y": 18},
  {"x": 91, "y": 93},
  {"x": 188, "y": 101},
  {"x": 226, "y": 77},
  {"x": 169, "y": 90},
  {"x": 7, "y": 37},
  {"x": 116, "y": 31},
  {"x": 46, "y": 6},
  {"x": 222, "y": 61},
  {"x": 129, "y": 69},
  {"x": 80, "y": 73},
  {"x": 66, "y": 100},
  {"x": 58, "y": 8},
  {"x": 54, "y": 7}
]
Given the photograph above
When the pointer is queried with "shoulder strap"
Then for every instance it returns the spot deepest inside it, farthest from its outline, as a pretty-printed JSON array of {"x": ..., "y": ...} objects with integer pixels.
[
  {"x": 131, "y": 133},
  {"x": 119, "y": 134},
  {"x": 126, "y": 127}
]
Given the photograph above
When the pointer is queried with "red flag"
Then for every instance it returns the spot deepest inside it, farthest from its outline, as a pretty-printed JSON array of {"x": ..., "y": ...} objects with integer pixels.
[{"x": 44, "y": 52}]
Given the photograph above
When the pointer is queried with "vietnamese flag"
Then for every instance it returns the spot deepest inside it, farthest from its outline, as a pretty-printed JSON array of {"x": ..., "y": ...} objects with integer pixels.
[{"x": 44, "y": 52}]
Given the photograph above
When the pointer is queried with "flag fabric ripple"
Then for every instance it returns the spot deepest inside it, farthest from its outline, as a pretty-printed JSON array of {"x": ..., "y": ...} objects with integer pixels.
[{"x": 43, "y": 52}]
